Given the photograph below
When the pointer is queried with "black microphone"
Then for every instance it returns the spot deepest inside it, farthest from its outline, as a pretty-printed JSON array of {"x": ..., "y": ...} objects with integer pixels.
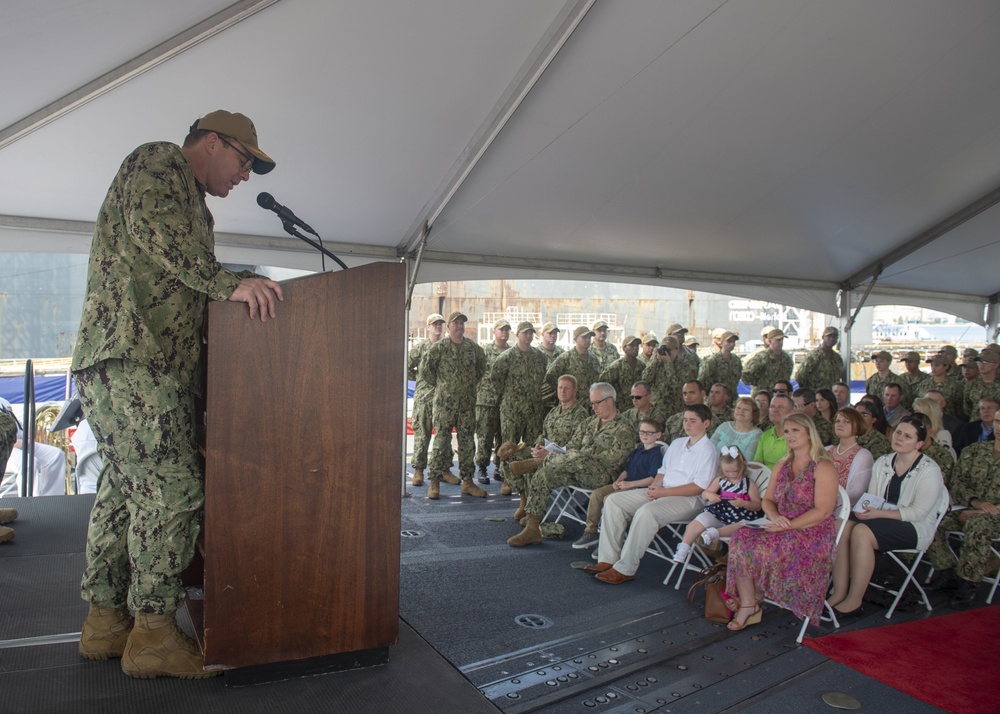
[{"x": 266, "y": 200}]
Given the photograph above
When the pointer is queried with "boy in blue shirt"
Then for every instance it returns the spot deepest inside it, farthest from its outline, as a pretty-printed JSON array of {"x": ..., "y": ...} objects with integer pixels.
[{"x": 640, "y": 469}]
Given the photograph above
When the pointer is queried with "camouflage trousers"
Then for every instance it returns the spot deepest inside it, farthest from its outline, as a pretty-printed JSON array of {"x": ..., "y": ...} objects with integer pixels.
[
  {"x": 518, "y": 484},
  {"x": 571, "y": 469},
  {"x": 150, "y": 494},
  {"x": 8, "y": 435},
  {"x": 521, "y": 426},
  {"x": 422, "y": 422},
  {"x": 487, "y": 433},
  {"x": 442, "y": 455},
  {"x": 973, "y": 560}
]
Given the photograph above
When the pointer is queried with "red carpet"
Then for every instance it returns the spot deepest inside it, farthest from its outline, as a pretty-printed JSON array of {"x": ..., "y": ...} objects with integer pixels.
[{"x": 949, "y": 661}]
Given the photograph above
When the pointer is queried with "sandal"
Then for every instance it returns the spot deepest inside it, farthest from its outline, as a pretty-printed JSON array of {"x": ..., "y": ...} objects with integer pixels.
[
  {"x": 733, "y": 604},
  {"x": 754, "y": 617}
]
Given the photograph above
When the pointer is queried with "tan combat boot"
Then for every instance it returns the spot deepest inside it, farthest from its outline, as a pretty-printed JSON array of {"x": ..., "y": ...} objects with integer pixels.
[
  {"x": 471, "y": 489},
  {"x": 505, "y": 489},
  {"x": 520, "y": 468},
  {"x": 434, "y": 489},
  {"x": 531, "y": 534},
  {"x": 449, "y": 477},
  {"x": 520, "y": 512},
  {"x": 7, "y": 515},
  {"x": 418, "y": 477},
  {"x": 105, "y": 632},
  {"x": 156, "y": 648},
  {"x": 6, "y": 534}
]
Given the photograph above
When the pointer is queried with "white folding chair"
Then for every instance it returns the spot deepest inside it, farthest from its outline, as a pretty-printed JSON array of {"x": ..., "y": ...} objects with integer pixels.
[
  {"x": 916, "y": 556},
  {"x": 569, "y": 502},
  {"x": 991, "y": 580}
]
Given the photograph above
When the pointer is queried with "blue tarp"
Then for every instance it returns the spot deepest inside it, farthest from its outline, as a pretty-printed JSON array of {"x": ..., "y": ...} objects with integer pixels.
[{"x": 47, "y": 389}]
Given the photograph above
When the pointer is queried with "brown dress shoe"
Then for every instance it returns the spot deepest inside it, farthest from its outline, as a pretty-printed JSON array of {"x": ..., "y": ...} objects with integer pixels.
[
  {"x": 597, "y": 568},
  {"x": 613, "y": 577}
]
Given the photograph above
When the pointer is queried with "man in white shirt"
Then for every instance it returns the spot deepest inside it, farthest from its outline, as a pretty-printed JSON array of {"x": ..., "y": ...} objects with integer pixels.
[{"x": 689, "y": 466}]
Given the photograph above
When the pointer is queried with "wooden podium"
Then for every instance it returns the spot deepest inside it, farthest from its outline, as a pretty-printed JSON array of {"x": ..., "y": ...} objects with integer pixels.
[{"x": 303, "y": 455}]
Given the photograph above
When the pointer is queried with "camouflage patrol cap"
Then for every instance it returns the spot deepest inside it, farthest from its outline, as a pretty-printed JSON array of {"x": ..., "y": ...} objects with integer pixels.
[
  {"x": 830, "y": 330},
  {"x": 525, "y": 327},
  {"x": 431, "y": 319},
  {"x": 727, "y": 335},
  {"x": 582, "y": 331},
  {"x": 774, "y": 333},
  {"x": 937, "y": 359},
  {"x": 650, "y": 339},
  {"x": 970, "y": 352},
  {"x": 500, "y": 324},
  {"x": 764, "y": 330},
  {"x": 629, "y": 339},
  {"x": 550, "y": 327},
  {"x": 599, "y": 324},
  {"x": 949, "y": 350},
  {"x": 882, "y": 354},
  {"x": 239, "y": 127},
  {"x": 670, "y": 342},
  {"x": 968, "y": 362},
  {"x": 911, "y": 357},
  {"x": 674, "y": 328},
  {"x": 692, "y": 341},
  {"x": 457, "y": 316},
  {"x": 988, "y": 356}
]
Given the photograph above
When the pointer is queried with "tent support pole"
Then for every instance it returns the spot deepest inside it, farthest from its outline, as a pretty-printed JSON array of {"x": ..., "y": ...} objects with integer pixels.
[
  {"x": 411, "y": 283},
  {"x": 843, "y": 309},
  {"x": 993, "y": 318}
]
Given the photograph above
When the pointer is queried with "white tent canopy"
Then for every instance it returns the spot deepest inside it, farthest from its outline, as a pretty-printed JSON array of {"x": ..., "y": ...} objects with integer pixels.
[{"x": 783, "y": 150}]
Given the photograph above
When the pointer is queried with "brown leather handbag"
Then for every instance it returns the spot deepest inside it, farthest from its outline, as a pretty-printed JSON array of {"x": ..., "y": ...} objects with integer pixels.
[{"x": 714, "y": 580}]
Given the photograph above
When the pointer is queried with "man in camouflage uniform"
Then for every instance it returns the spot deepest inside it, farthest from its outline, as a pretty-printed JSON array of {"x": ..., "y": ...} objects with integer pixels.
[
  {"x": 822, "y": 366},
  {"x": 950, "y": 354},
  {"x": 719, "y": 402},
  {"x": 986, "y": 384},
  {"x": 911, "y": 378},
  {"x": 970, "y": 370},
  {"x": 722, "y": 366},
  {"x": 663, "y": 377},
  {"x": 594, "y": 457},
  {"x": 693, "y": 392},
  {"x": 559, "y": 426},
  {"x": 579, "y": 362},
  {"x": 518, "y": 375},
  {"x": 604, "y": 352},
  {"x": 488, "y": 403},
  {"x": 549, "y": 348},
  {"x": 953, "y": 391},
  {"x": 805, "y": 403},
  {"x": 137, "y": 366},
  {"x": 624, "y": 372},
  {"x": 687, "y": 363},
  {"x": 421, "y": 417},
  {"x": 646, "y": 350},
  {"x": 8, "y": 435},
  {"x": 768, "y": 366},
  {"x": 453, "y": 368},
  {"x": 643, "y": 407},
  {"x": 975, "y": 483},
  {"x": 883, "y": 375}
]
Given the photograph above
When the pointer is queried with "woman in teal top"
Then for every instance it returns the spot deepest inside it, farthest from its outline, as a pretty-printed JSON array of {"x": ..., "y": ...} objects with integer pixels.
[{"x": 740, "y": 432}]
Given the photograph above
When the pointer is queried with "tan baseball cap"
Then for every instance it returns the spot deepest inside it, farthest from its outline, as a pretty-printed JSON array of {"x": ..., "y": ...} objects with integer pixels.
[
  {"x": 882, "y": 354},
  {"x": 239, "y": 127},
  {"x": 911, "y": 357},
  {"x": 500, "y": 324},
  {"x": 629, "y": 339},
  {"x": 937, "y": 359},
  {"x": 988, "y": 356},
  {"x": 830, "y": 330},
  {"x": 457, "y": 316},
  {"x": 670, "y": 342},
  {"x": 599, "y": 323},
  {"x": 650, "y": 339},
  {"x": 525, "y": 327},
  {"x": 550, "y": 327},
  {"x": 774, "y": 333},
  {"x": 676, "y": 327},
  {"x": 431, "y": 319},
  {"x": 582, "y": 331},
  {"x": 949, "y": 350}
]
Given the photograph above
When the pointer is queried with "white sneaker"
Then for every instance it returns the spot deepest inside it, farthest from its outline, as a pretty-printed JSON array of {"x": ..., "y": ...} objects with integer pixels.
[
  {"x": 709, "y": 536},
  {"x": 682, "y": 552}
]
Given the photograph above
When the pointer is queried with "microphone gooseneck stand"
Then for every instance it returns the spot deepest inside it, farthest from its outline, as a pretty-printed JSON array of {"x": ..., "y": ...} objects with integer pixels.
[{"x": 291, "y": 230}]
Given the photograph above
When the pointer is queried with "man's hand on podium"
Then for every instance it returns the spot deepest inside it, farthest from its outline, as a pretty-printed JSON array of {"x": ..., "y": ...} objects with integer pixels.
[{"x": 259, "y": 294}]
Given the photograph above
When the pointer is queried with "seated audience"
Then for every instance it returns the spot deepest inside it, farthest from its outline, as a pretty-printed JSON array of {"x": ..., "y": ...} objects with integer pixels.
[
  {"x": 982, "y": 428},
  {"x": 789, "y": 560},
  {"x": 740, "y": 432},
  {"x": 952, "y": 424},
  {"x": 873, "y": 438},
  {"x": 892, "y": 398},
  {"x": 771, "y": 446},
  {"x": 805, "y": 403},
  {"x": 643, "y": 407},
  {"x": 936, "y": 430},
  {"x": 826, "y": 404},
  {"x": 639, "y": 471},
  {"x": 732, "y": 497},
  {"x": 688, "y": 468},
  {"x": 692, "y": 393},
  {"x": 718, "y": 402},
  {"x": 941, "y": 456},
  {"x": 763, "y": 400},
  {"x": 852, "y": 461},
  {"x": 842, "y": 393}
]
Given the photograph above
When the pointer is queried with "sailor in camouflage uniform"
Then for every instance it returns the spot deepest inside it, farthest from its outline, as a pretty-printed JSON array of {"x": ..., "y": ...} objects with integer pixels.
[
  {"x": 137, "y": 365},
  {"x": 687, "y": 364},
  {"x": 986, "y": 384},
  {"x": 722, "y": 366},
  {"x": 594, "y": 456},
  {"x": 421, "y": 419},
  {"x": 693, "y": 392},
  {"x": 975, "y": 483},
  {"x": 805, "y": 403},
  {"x": 883, "y": 375},
  {"x": 488, "y": 403},
  {"x": 579, "y": 362},
  {"x": 624, "y": 372},
  {"x": 718, "y": 401},
  {"x": 454, "y": 368},
  {"x": 769, "y": 366},
  {"x": 953, "y": 391},
  {"x": 605, "y": 352},
  {"x": 822, "y": 366},
  {"x": 549, "y": 348},
  {"x": 643, "y": 407},
  {"x": 911, "y": 378},
  {"x": 646, "y": 350},
  {"x": 518, "y": 376},
  {"x": 663, "y": 378}
]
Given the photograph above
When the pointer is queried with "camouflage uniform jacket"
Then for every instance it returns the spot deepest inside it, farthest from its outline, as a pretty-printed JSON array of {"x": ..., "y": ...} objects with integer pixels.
[
  {"x": 688, "y": 365},
  {"x": 416, "y": 355},
  {"x": 876, "y": 384},
  {"x": 606, "y": 358},
  {"x": 518, "y": 377},
  {"x": 665, "y": 385},
  {"x": 560, "y": 424},
  {"x": 820, "y": 369},
  {"x": 954, "y": 395},
  {"x": 717, "y": 368},
  {"x": 584, "y": 367},
  {"x": 654, "y": 412},
  {"x": 609, "y": 443},
  {"x": 876, "y": 443},
  {"x": 976, "y": 475},
  {"x": 8, "y": 435},
  {"x": 486, "y": 394},
  {"x": 152, "y": 269},
  {"x": 910, "y": 384},
  {"x": 675, "y": 427},
  {"x": 764, "y": 369},
  {"x": 824, "y": 427},
  {"x": 976, "y": 390},
  {"x": 453, "y": 372},
  {"x": 725, "y": 415},
  {"x": 551, "y": 356},
  {"x": 621, "y": 375},
  {"x": 941, "y": 456}
]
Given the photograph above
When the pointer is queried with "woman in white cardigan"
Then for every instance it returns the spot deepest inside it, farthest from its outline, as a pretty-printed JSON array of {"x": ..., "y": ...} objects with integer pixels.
[{"x": 912, "y": 483}]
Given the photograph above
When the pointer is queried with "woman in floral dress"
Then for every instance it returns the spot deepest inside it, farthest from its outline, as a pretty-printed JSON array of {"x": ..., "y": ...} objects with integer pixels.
[{"x": 790, "y": 560}]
